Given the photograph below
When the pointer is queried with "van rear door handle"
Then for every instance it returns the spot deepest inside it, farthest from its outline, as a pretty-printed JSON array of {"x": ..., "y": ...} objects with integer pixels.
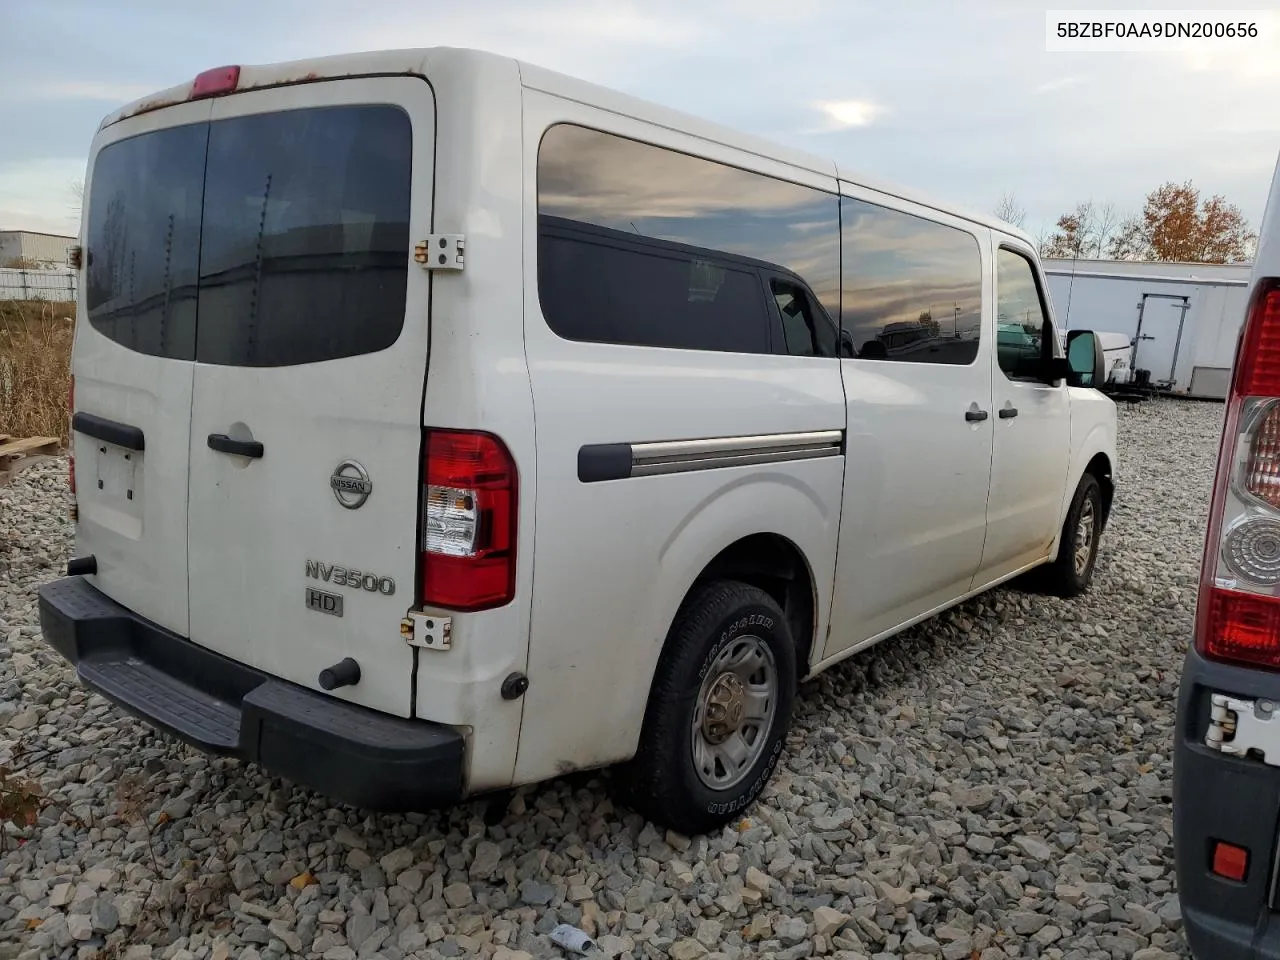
[
  {"x": 241, "y": 448},
  {"x": 975, "y": 415},
  {"x": 1008, "y": 413}
]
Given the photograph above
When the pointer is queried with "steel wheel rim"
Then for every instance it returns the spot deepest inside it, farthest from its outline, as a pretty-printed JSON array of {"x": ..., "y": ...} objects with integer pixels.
[
  {"x": 1084, "y": 538},
  {"x": 734, "y": 713}
]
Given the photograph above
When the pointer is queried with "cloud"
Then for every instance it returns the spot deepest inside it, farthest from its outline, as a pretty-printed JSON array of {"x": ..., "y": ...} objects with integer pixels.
[
  {"x": 961, "y": 101},
  {"x": 92, "y": 90},
  {"x": 36, "y": 195},
  {"x": 843, "y": 114},
  {"x": 1053, "y": 86}
]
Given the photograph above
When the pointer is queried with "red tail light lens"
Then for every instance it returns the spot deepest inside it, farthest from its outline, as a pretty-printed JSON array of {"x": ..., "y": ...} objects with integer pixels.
[
  {"x": 212, "y": 83},
  {"x": 1243, "y": 627},
  {"x": 468, "y": 521},
  {"x": 1259, "y": 374}
]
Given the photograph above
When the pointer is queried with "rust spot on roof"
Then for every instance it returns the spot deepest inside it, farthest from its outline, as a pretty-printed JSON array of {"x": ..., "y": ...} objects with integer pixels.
[{"x": 155, "y": 103}]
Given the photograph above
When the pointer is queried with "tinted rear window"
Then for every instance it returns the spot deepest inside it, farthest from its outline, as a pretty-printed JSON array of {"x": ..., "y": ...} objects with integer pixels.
[
  {"x": 305, "y": 245},
  {"x": 144, "y": 241},
  {"x": 297, "y": 251}
]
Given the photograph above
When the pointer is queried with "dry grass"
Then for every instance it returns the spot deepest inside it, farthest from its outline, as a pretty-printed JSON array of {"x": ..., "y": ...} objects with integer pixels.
[{"x": 35, "y": 367}]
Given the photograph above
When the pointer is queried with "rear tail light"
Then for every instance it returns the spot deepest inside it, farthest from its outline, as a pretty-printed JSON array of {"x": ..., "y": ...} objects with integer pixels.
[
  {"x": 1259, "y": 363},
  {"x": 1238, "y": 615},
  {"x": 1262, "y": 464},
  {"x": 468, "y": 521},
  {"x": 71, "y": 436},
  {"x": 1243, "y": 627}
]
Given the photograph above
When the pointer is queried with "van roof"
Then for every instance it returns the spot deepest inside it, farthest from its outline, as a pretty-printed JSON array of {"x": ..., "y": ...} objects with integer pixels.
[{"x": 421, "y": 62}]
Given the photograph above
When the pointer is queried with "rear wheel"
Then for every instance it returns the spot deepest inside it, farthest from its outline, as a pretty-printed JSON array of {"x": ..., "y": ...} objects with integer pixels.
[
  {"x": 718, "y": 712},
  {"x": 1071, "y": 573}
]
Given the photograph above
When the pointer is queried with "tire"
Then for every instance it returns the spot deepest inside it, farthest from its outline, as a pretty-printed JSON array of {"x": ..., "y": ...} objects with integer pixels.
[
  {"x": 727, "y": 641},
  {"x": 1065, "y": 577}
]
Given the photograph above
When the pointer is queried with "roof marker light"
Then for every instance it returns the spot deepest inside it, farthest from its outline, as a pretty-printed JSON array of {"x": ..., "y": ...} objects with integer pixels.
[{"x": 215, "y": 82}]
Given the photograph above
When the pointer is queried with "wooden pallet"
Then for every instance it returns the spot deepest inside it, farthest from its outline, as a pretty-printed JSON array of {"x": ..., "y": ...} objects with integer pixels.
[{"x": 17, "y": 455}]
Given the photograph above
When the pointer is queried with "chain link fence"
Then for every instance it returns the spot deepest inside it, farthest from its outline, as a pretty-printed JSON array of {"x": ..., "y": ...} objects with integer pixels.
[{"x": 58, "y": 284}]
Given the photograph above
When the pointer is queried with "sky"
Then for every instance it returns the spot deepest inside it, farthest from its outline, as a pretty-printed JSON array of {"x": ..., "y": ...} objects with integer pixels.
[{"x": 960, "y": 100}]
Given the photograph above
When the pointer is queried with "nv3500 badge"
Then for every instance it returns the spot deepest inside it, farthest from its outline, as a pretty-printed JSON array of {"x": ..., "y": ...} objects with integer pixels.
[{"x": 346, "y": 577}]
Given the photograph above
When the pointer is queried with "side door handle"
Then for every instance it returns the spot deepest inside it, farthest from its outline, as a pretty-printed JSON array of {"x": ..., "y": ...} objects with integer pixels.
[
  {"x": 1008, "y": 413},
  {"x": 241, "y": 448},
  {"x": 974, "y": 415}
]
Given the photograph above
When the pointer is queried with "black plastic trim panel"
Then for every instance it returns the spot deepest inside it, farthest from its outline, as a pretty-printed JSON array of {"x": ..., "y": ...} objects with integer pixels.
[
  {"x": 348, "y": 752},
  {"x": 604, "y": 461},
  {"x": 1221, "y": 797},
  {"x": 112, "y": 431}
]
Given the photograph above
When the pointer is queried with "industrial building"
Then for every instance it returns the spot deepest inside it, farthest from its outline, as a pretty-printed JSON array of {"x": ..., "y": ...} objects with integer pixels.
[
  {"x": 1182, "y": 319},
  {"x": 45, "y": 249}
]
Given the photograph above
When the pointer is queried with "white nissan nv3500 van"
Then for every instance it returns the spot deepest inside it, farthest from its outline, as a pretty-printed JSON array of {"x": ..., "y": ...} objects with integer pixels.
[{"x": 443, "y": 424}]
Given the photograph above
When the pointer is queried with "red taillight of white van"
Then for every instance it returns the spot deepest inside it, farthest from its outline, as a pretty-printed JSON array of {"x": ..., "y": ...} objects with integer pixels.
[
  {"x": 468, "y": 521},
  {"x": 1238, "y": 614}
]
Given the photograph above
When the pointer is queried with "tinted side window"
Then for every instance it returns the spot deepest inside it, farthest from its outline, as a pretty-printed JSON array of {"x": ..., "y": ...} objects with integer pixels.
[
  {"x": 806, "y": 331},
  {"x": 305, "y": 245},
  {"x": 610, "y": 181},
  {"x": 1020, "y": 320},
  {"x": 143, "y": 240},
  {"x": 597, "y": 288},
  {"x": 912, "y": 288}
]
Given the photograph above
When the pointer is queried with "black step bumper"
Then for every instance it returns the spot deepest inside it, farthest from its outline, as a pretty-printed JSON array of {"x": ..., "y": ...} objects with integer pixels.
[
  {"x": 347, "y": 752},
  {"x": 1220, "y": 797}
]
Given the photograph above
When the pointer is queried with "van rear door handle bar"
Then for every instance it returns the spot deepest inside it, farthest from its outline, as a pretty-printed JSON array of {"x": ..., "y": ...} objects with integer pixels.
[
  {"x": 112, "y": 431},
  {"x": 975, "y": 416},
  {"x": 1007, "y": 413},
  {"x": 241, "y": 448}
]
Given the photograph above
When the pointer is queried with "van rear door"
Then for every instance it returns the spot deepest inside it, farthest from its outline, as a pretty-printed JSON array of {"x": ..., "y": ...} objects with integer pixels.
[
  {"x": 306, "y": 417},
  {"x": 133, "y": 357}
]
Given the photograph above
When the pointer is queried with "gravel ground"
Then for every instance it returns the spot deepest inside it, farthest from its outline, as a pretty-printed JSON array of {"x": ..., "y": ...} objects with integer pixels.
[{"x": 993, "y": 784}]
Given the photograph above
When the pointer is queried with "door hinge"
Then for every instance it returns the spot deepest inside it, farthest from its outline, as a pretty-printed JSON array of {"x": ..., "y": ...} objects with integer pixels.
[
  {"x": 1244, "y": 728},
  {"x": 442, "y": 251},
  {"x": 426, "y": 630}
]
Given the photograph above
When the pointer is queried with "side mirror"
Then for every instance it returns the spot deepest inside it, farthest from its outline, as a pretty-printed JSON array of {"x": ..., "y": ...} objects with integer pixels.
[
  {"x": 1085, "y": 359},
  {"x": 1059, "y": 370}
]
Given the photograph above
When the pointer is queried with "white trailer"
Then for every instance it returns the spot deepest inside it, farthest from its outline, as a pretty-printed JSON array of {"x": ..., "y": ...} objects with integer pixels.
[{"x": 1182, "y": 319}]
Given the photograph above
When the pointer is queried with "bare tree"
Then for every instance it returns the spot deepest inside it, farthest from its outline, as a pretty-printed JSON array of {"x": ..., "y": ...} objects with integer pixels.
[
  {"x": 75, "y": 191},
  {"x": 1084, "y": 233},
  {"x": 1010, "y": 211}
]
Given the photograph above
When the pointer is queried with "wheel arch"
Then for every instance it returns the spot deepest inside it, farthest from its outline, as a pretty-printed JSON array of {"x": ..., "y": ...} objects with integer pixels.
[
  {"x": 774, "y": 564},
  {"x": 1099, "y": 466}
]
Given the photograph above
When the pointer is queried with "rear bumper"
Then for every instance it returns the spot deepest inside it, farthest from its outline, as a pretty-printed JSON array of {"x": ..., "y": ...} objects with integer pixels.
[
  {"x": 348, "y": 752},
  {"x": 1219, "y": 797}
]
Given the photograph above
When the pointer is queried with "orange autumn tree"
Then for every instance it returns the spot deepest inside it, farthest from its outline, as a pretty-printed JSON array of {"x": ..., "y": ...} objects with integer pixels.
[{"x": 1176, "y": 224}]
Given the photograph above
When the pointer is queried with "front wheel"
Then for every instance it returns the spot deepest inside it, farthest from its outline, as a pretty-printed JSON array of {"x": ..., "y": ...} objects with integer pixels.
[
  {"x": 1070, "y": 574},
  {"x": 718, "y": 712}
]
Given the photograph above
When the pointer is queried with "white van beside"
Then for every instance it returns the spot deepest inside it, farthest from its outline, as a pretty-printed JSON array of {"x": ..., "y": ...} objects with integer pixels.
[{"x": 444, "y": 424}]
